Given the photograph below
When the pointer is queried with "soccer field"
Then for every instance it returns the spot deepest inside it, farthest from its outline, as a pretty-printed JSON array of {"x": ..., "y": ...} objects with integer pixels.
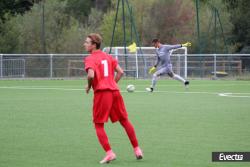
[{"x": 48, "y": 123}]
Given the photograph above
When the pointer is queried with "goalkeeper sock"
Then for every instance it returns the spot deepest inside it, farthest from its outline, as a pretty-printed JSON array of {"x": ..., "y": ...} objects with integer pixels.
[
  {"x": 130, "y": 132},
  {"x": 154, "y": 80},
  {"x": 179, "y": 78},
  {"x": 102, "y": 136}
]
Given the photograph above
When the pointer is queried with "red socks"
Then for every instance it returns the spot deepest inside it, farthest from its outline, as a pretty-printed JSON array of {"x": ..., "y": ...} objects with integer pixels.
[
  {"x": 103, "y": 138},
  {"x": 130, "y": 132}
]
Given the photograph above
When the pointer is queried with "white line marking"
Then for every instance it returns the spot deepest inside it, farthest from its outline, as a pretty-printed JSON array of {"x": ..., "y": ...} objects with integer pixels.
[
  {"x": 247, "y": 95},
  {"x": 244, "y": 95},
  {"x": 196, "y": 85},
  {"x": 70, "y": 89},
  {"x": 37, "y": 88}
]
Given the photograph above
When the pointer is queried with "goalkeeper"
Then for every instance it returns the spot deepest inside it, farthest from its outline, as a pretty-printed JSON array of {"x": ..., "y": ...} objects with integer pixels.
[{"x": 163, "y": 58}]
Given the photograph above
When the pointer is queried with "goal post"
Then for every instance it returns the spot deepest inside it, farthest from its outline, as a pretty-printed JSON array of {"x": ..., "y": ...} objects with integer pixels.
[
  {"x": 12, "y": 67},
  {"x": 181, "y": 52}
]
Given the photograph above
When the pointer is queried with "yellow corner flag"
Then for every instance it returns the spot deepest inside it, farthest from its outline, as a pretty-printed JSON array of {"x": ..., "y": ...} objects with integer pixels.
[{"x": 132, "y": 47}]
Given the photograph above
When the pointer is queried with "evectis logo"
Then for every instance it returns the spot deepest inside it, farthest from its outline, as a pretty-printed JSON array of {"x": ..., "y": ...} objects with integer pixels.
[
  {"x": 230, "y": 156},
  {"x": 234, "y": 157}
]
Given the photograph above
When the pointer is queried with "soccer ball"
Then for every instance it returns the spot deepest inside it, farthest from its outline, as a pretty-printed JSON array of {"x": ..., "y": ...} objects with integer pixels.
[{"x": 130, "y": 88}]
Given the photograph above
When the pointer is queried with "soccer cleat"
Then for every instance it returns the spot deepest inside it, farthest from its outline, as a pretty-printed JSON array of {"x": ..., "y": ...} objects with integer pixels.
[
  {"x": 149, "y": 89},
  {"x": 138, "y": 153},
  {"x": 110, "y": 156},
  {"x": 186, "y": 83}
]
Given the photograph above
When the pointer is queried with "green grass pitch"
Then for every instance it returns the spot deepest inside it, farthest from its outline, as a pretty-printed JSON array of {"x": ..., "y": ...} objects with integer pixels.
[{"x": 48, "y": 123}]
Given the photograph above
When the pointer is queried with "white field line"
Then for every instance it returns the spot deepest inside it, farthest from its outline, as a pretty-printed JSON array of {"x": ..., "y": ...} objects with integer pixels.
[
  {"x": 195, "y": 85},
  {"x": 38, "y": 88},
  {"x": 139, "y": 85},
  {"x": 247, "y": 95},
  {"x": 244, "y": 95}
]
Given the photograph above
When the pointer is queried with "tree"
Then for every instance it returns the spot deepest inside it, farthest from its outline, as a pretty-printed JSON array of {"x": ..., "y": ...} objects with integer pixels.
[
  {"x": 72, "y": 38},
  {"x": 240, "y": 13},
  {"x": 107, "y": 25},
  {"x": 171, "y": 21},
  {"x": 102, "y": 5},
  {"x": 14, "y": 7},
  {"x": 79, "y": 9},
  {"x": 8, "y": 37},
  {"x": 63, "y": 33},
  {"x": 215, "y": 27}
]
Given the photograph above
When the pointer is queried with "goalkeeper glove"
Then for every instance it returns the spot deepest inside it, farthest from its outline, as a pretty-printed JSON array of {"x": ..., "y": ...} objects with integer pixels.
[
  {"x": 186, "y": 44},
  {"x": 152, "y": 70}
]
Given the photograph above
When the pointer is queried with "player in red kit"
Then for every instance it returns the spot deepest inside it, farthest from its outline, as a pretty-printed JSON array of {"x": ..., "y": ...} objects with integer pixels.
[{"x": 108, "y": 102}]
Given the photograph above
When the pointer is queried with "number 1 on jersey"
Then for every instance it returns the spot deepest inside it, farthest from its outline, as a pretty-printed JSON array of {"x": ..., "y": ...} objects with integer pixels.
[{"x": 106, "y": 70}]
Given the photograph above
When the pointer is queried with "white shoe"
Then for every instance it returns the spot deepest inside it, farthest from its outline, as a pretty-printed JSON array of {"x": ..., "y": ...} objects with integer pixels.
[
  {"x": 149, "y": 89},
  {"x": 138, "y": 153},
  {"x": 110, "y": 156},
  {"x": 186, "y": 83}
]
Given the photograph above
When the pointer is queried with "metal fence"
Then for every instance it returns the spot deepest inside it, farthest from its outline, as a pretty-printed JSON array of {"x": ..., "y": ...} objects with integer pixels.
[{"x": 72, "y": 66}]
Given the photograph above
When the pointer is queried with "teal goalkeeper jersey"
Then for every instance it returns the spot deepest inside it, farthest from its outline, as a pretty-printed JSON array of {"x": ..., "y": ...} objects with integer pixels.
[{"x": 163, "y": 54}]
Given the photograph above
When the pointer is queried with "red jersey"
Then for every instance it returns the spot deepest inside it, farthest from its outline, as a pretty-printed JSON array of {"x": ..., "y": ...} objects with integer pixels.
[{"x": 104, "y": 67}]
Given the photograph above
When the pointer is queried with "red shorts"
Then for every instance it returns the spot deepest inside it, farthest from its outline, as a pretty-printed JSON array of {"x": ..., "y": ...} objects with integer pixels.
[{"x": 108, "y": 104}]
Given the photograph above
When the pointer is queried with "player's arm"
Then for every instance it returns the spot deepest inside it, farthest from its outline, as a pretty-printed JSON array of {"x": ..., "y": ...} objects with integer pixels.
[
  {"x": 157, "y": 61},
  {"x": 170, "y": 47},
  {"x": 119, "y": 73},
  {"x": 90, "y": 78}
]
